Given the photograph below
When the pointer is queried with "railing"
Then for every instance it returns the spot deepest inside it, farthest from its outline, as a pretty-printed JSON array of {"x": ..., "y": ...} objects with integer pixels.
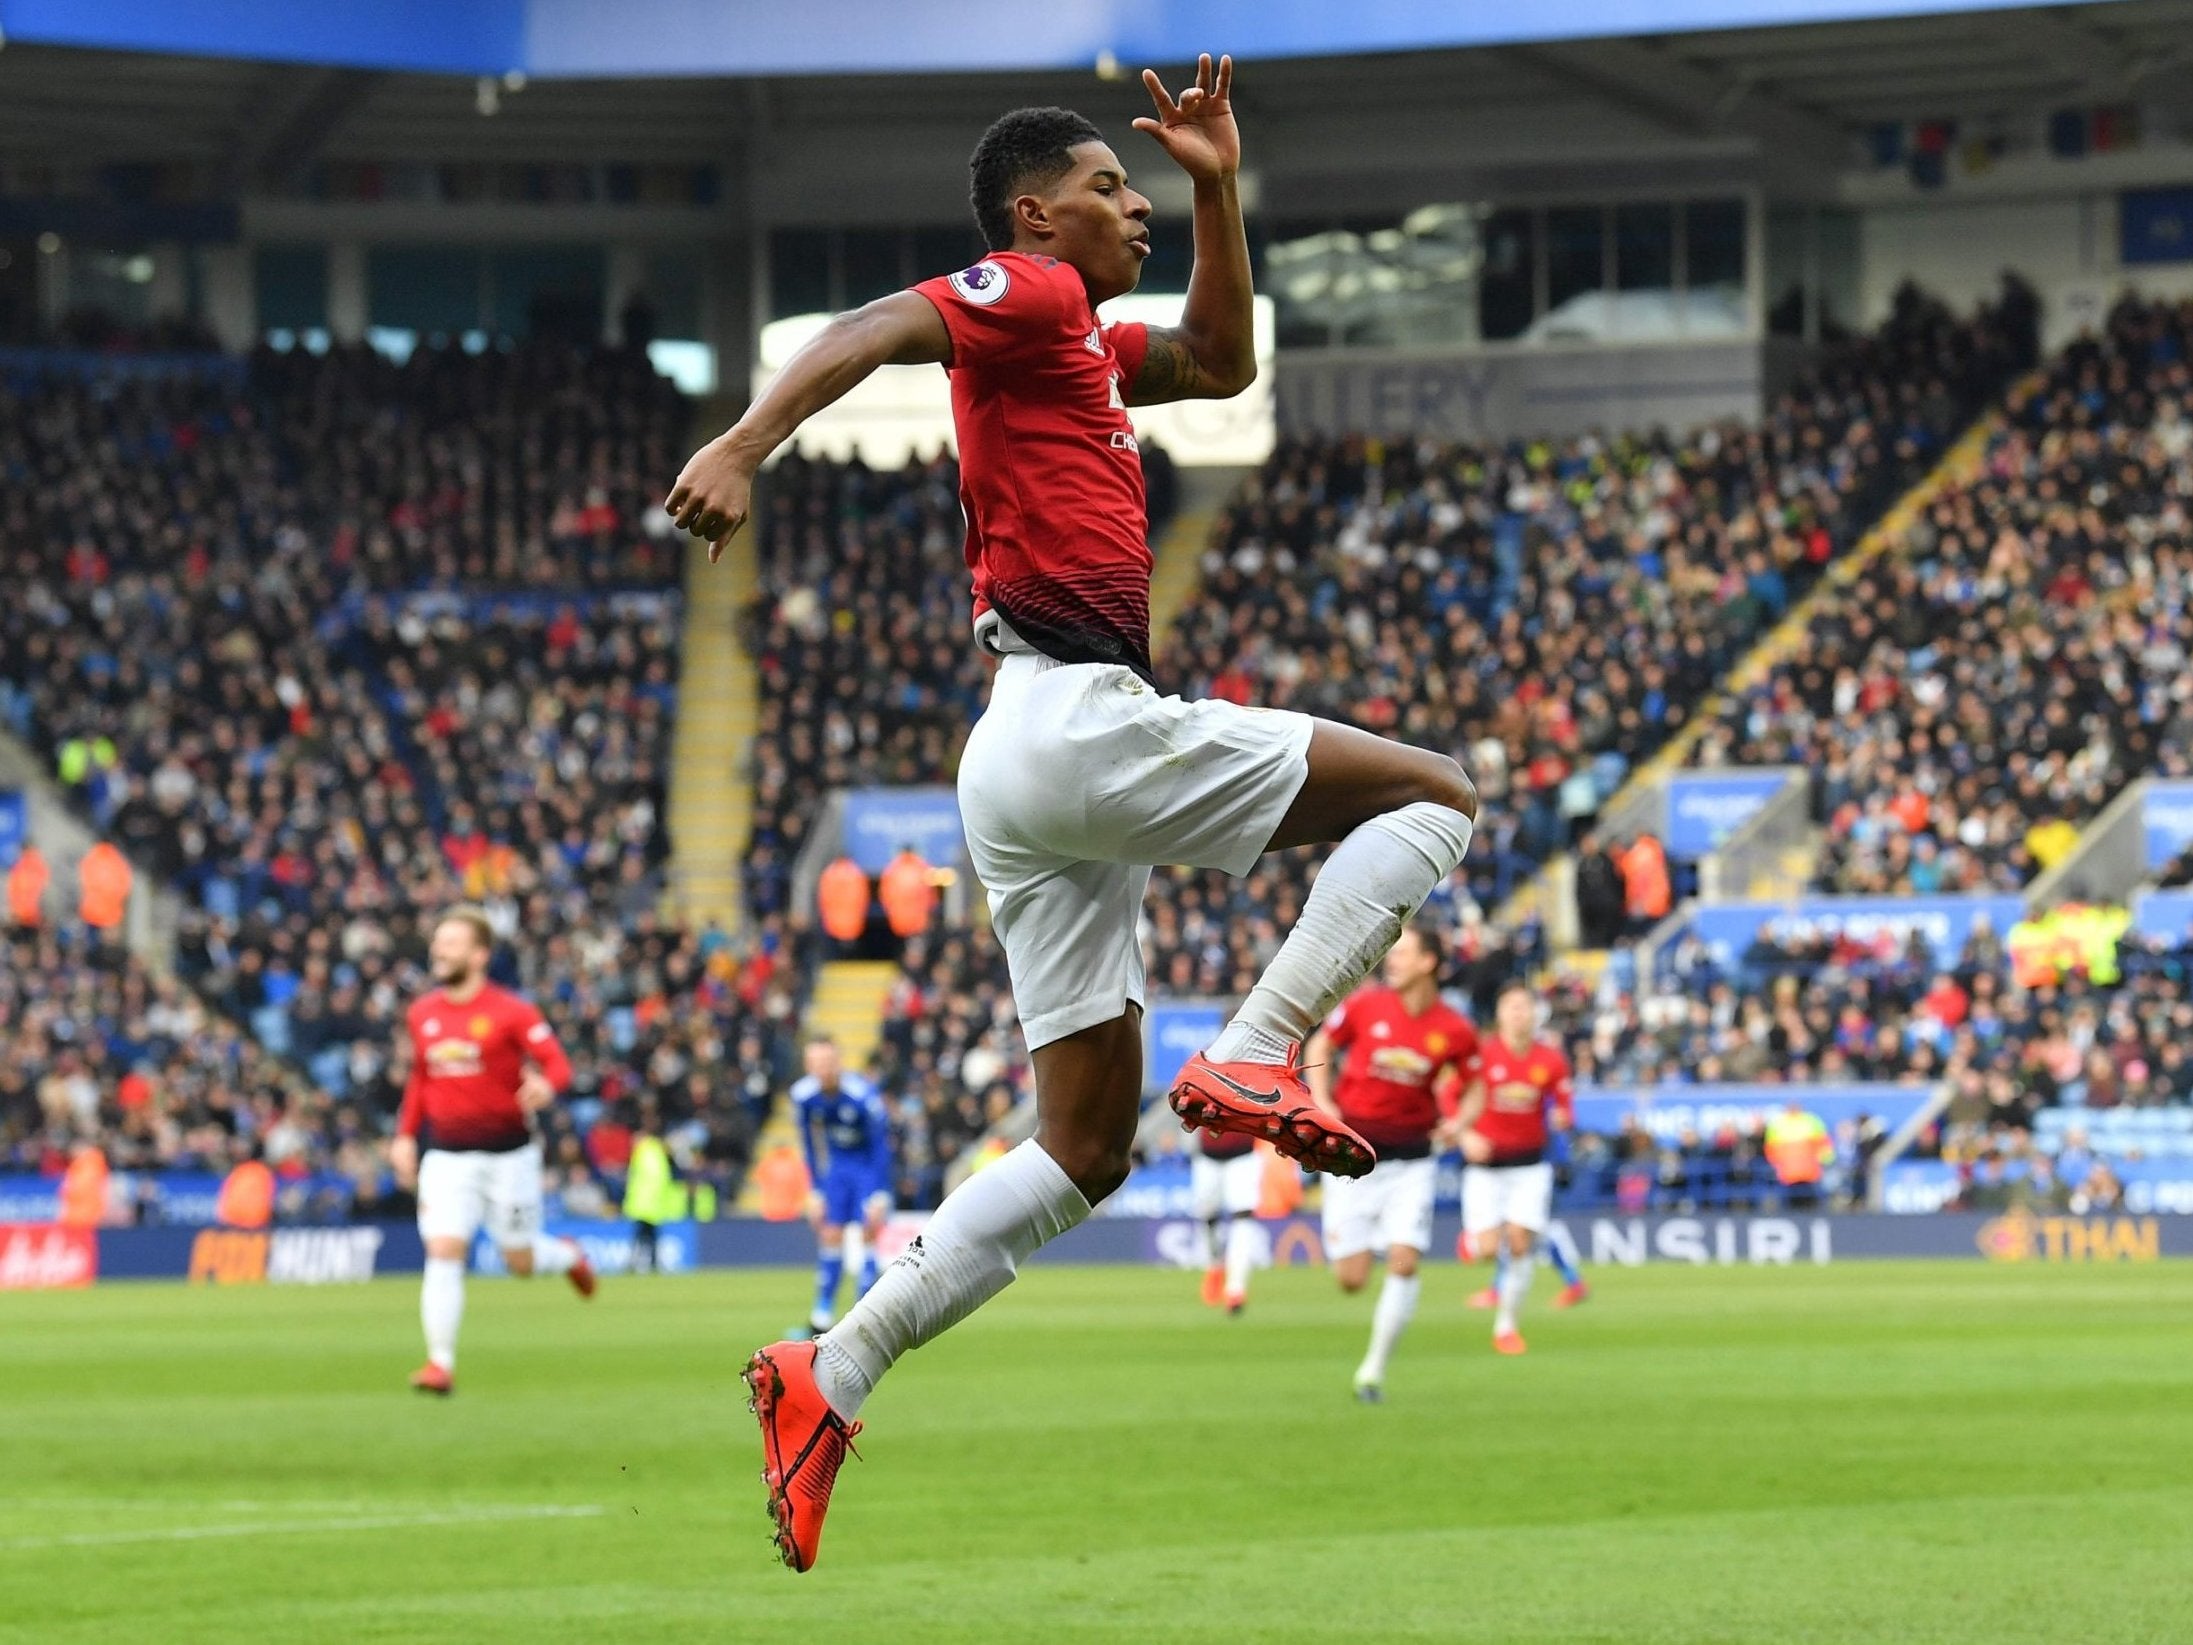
[
  {"x": 2107, "y": 863},
  {"x": 1750, "y": 864}
]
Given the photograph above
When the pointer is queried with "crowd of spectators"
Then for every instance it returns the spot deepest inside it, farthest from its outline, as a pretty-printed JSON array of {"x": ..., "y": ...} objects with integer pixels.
[
  {"x": 336, "y": 642},
  {"x": 1551, "y": 613},
  {"x": 92, "y": 1041},
  {"x": 1979, "y": 694}
]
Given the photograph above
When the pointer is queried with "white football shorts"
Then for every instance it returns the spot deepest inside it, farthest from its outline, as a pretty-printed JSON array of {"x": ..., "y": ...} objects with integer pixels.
[
  {"x": 1391, "y": 1206},
  {"x": 461, "y": 1192},
  {"x": 1496, "y": 1194},
  {"x": 1226, "y": 1187},
  {"x": 1075, "y": 782}
]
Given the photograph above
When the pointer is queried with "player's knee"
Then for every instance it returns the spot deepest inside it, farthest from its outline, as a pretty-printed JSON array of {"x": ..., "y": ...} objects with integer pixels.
[
  {"x": 1447, "y": 784},
  {"x": 519, "y": 1260},
  {"x": 1401, "y": 1262},
  {"x": 1352, "y": 1282},
  {"x": 1097, "y": 1165}
]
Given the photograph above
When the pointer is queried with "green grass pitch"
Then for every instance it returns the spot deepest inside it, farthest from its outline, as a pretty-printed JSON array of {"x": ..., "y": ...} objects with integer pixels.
[{"x": 1906, "y": 1453}]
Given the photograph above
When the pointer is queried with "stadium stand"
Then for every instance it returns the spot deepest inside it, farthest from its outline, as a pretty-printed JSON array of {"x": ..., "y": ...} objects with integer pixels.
[
  {"x": 240, "y": 650},
  {"x": 1977, "y": 697}
]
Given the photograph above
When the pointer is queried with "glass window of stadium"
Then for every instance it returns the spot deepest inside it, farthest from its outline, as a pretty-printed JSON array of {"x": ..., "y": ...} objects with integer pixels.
[
  {"x": 112, "y": 282},
  {"x": 1812, "y": 275},
  {"x": 1507, "y": 277},
  {"x": 1465, "y": 273},
  {"x": 546, "y": 291},
  {"x": 290, "y": 287},
  {"x": 423, "y": 292},
  {"x": 803, "y": 272}
]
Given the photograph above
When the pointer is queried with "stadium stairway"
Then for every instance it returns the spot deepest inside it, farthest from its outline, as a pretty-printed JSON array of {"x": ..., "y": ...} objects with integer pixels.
[
  {"x": 1204, "y": 494},
  {"x": 847, "y": 1005},
  {"x": 1959, "y": 465},
  {"x": 719, "y": 703}
]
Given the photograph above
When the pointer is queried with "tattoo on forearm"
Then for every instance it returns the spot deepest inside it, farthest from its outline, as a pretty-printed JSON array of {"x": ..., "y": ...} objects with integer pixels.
[{"x": 1169, "y": 371}]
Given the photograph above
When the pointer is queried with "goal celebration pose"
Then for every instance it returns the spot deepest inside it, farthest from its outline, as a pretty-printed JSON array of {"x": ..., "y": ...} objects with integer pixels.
[{"x": 1083, "y": 772}]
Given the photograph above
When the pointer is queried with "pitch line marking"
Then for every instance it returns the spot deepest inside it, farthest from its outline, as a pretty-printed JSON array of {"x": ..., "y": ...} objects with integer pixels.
[{"x": 302, "y": 1527}]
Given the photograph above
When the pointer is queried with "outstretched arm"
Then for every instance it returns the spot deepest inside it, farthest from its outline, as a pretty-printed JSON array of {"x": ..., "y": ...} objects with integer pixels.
[
  {"x": 715, "y": 489},
  {"x": 1211, "y": 354}
]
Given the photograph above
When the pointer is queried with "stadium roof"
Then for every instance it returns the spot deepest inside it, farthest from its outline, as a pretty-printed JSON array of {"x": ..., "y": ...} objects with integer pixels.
[{"x": 1798, "y": 90}]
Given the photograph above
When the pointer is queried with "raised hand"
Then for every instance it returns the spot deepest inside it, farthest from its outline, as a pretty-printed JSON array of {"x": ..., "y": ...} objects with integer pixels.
[{"x": 1199, "y": 130}]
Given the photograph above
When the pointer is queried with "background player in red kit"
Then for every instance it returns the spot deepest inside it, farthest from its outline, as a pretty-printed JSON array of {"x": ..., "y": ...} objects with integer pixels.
[
  {"x": 1400, "y": 1047},
  {"x": 483, "y": 1063},
  {"x": 1226, "y": 1177},
  {"x": 1082, "y": 772},
  {"x": 1522, "y": 1094}
]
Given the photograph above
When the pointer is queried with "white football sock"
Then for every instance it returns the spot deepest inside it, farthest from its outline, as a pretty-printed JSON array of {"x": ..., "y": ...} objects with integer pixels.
[
  {"x": 1370, "y": 887},
  {"x": 1515, "y": 1285},
  {"x": 1240, "y": 1254},
  {"x": 969, "y": 1252},
  {"x": 554, "y": 1256},
  {"x": 441, "y": 1309},
  {"x": 1396, "y": 1307}
]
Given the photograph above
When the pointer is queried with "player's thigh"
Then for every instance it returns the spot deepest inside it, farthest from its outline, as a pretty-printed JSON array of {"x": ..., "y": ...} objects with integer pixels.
[
  {"x": 514, "y": 1197},
  {"x": 452, "y": 1194},
  {"x": 1354, "y": 775},
  {"x": 1526, "y": 1197},
  {"x": 1406, "y": 1217},
  {"x": 842, "y": 1194},
  {"x": 1071, "y": 949},
  {"x": 1243, "y": 1183},
  {"x": 1483, "y": 1200},
  {"x": 1353, "y": 1215},
  {"x": 1092, "y": 763}
]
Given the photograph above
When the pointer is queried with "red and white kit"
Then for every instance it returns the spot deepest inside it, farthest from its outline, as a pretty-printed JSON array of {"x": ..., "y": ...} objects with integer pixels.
[
  {"x": 1395, "y": 1068},
  {"x": 479, "y": 1161},
  {"x": 1522, "y": 1088},
  {"x": 1082, "y": 773}
]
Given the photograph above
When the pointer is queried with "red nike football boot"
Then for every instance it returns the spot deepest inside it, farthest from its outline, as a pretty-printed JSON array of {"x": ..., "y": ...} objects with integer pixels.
[
  {"x": 432, "y": 1379},
  {"x": 1271, "y": 1101},
  {"x": 803, "y": 1442}
]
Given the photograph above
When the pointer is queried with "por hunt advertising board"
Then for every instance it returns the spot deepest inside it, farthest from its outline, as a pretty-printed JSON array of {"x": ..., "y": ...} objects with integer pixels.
[{"x": 284, "y": 1256}]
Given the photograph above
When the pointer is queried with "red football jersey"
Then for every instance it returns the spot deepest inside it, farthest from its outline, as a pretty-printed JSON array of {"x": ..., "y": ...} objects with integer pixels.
[
  {"x": 1049, "y": 473},
  {"x": 1390, "y": 1064},
  {"x": 1520, "y": 1088},
  {"x": 467, "y": 1057}
]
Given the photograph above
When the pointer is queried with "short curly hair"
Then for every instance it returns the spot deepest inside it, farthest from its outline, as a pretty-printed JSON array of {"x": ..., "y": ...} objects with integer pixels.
[{"x": 1026, "y": 148}]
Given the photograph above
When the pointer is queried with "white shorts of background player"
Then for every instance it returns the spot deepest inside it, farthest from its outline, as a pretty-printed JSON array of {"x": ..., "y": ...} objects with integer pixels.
[{"x": 462, "y": 1191}]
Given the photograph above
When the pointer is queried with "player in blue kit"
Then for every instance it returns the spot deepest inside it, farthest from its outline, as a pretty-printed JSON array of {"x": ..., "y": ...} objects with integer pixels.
[{"x": 847, "y": 1136}]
